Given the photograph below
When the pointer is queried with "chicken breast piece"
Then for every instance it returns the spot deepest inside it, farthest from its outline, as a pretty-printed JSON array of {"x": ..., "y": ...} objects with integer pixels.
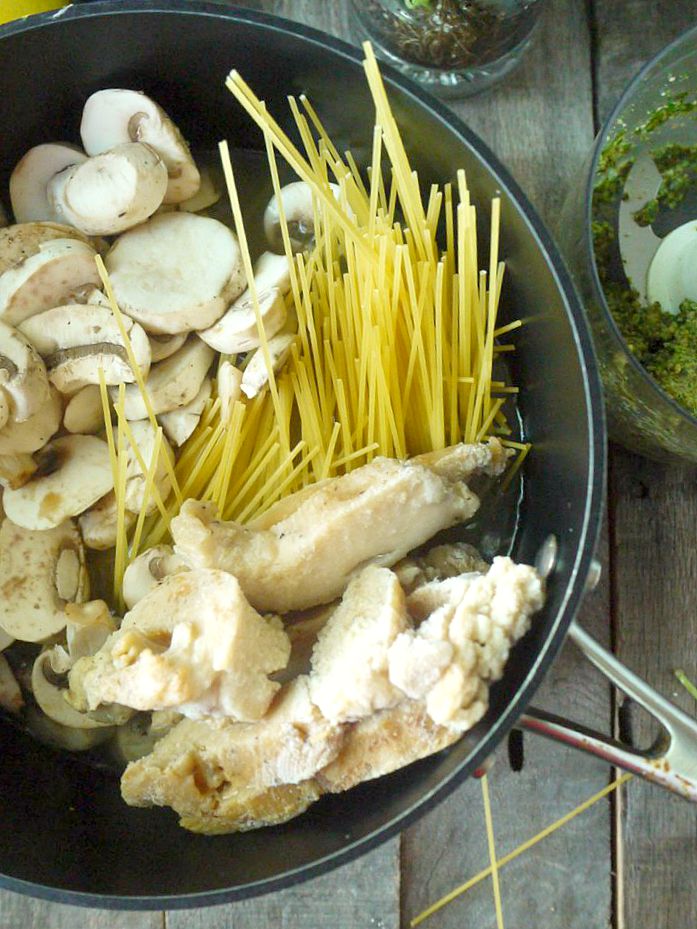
[
  {"x": 305, "y": 552},
  {"x": 222, "y": 776},
  {"x": 193, "y": 644},
  {"x": 470, "y": 624},
  {"x": 349, "y": 678}
]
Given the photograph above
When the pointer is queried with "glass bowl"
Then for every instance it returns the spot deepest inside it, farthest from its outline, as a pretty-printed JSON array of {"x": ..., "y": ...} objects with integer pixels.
[{"x": 650, "y": 113}]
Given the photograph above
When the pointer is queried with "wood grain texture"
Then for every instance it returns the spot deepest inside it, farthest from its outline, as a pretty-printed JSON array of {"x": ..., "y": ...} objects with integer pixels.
[
  {"x": 653, "y": 517},
  {"x": 19, "y": 912}
]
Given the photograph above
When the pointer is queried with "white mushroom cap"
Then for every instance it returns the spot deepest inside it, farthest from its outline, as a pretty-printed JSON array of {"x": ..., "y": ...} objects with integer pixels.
[
  {"x": 74, "y": 472},
  {"x": 78, "y": 340},
  {"x": 33, "y": 433},
  {"x": 51, "y": 700},
  {"x": 114, "y": 116},
  {"x": 84, "y": 413},
  {"x": 299, "y": 214},
  {"x": 10, "y": 693},
  {"x": 39, "y": 573},
  {"x": 46, "y": 279},
  {"x": 145, "y": 438},
  {"x": 23, "y": 378},
  {"x": 21, "y": 241},
  {"x": 229, "y": 387},
  {"x": 272, "y": 270},
  {"x": 179, "y": 424},
  {"x": 237, "y": 330},
  {"x": 177, "y": 272},
  {"x": 111, "y": 192},
  {"x": 32, "y": 174},
  {"x": 206, "y": 196},
  {"x": 98, "y": 525},
  {"x": 172, "y": 383},
  {"x": 16, "y": 470},
  {"x": 256, "y": 376},
  {"x": 162, "y": 346},
  {"x": 148, "y": 570}
]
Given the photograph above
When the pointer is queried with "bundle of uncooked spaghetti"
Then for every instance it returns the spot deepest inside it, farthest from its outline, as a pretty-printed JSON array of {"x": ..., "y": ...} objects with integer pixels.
[{"x": 395, "y": 330}]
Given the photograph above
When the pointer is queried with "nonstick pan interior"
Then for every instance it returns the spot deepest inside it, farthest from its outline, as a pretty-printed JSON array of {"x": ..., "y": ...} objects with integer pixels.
[{"x": 66, "y": 833}]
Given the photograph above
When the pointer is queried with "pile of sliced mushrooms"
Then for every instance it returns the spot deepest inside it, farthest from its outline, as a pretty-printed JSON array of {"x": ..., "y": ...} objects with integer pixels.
[{"x": 134, "y": 195}]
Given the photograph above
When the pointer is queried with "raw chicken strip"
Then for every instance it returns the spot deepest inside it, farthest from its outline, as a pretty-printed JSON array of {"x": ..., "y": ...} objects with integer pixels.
[{"x": 321, "y": 536}]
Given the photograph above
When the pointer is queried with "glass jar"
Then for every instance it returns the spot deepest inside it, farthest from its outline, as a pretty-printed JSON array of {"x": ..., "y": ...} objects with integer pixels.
[{"x": 453, "y": 48}]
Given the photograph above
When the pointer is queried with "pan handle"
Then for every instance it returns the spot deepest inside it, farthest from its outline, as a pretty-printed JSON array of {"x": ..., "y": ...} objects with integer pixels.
[{"x": 671, "y": 762}]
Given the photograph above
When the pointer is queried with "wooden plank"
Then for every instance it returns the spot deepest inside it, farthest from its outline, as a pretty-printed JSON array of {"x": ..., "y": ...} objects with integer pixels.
[
  {"x": 653, "y": 514},
  {"x": 20, "y": 912},
  {"x": 539, "y": 122}
]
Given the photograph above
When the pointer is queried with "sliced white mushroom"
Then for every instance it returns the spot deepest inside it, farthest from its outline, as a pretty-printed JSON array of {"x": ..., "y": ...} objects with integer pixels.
[
  {"x": 33, "y": 433},
  {"x": 39, "y": 573},
  {"x": 176, "y": 272},
  {"x": 46, "y": 730},
  {"x": 21, "y": 241},
  {"x": 146, "y": 571},
  {"x": 256, "y": 375},
  {"x": 11, "y": 698},
  {"x": 162, "y": 346},
  {"x": 24, "y": 386},
  {"x": 4, "y": 408},
  {"x": 114, "y": 116},
  {"x": 144, "y": 436},
  {"x": 73, "y": 473},
  {"x": 46, "y": 279},
  {"x": 78, "y": 341},
  {"x": 84, "y": 413},
  {"x": 98, "y": 525},
  {"x": 299, "y": 214},
  {"x": 172, "y": 383},
  {"x": 207, "y": 195},
  {"x": 229, "y": 387},
  {"x": 237, "y": 330},
  {"x": 16, "y": 470},
  {"x": 179, "y": 424},
  {"x": 112, "y": 192},
  {"x": 51, "y": 700},
  {"x": 31, "y": 177},
  {"x": 272, "y": 270}
]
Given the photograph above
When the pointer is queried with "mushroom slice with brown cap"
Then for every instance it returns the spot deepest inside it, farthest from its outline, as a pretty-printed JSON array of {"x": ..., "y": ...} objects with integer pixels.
[
  {"x": 99, "y": 524},
  {"x": 84, "y": 413},
  {"x": 176, "y": 272},
  {"x": 298, "y": 210},
  {"x": 51, "y": 700},
  {"x": 172, "y": 383},
  {"x": 10, "y": 692},
  {"x": 78, "y": 341},
  {"x": 114, "y": 116},
  {"x": 23, "y": 376},
  {"x": 73, "y": 473},
  {"x": 46, "y": 279},
  {"x": 179, "y": 424},
  {"x": 145, "y": 438},
  {"x": 31, "y": 176},
  {"x": 237, "y": 330},
  {"x": 148, "y": 570},
  {"x": 39, "y": 573},
  {"x": 256, "y": 375},
  {"x": 22, "y": 240},
  {"x": 112, "y": 192},
  {"x": 162, "y": 346},
  {"x": 21, "y": 438}
]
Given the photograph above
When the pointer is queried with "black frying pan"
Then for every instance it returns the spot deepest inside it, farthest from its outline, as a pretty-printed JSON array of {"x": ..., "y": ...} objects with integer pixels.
[{"x": 66, "y": 834}]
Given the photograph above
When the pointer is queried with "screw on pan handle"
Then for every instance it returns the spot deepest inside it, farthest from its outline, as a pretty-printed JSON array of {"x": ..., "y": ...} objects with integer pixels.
[{"x": 671, "y": 762}]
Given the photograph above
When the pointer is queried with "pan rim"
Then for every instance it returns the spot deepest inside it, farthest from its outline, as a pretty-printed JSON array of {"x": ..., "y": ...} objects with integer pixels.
[{"x": 594, "y": 492}]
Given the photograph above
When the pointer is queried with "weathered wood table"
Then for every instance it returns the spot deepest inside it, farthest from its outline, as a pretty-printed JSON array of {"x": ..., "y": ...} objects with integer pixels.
[{"x": 630, "y": 860}]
